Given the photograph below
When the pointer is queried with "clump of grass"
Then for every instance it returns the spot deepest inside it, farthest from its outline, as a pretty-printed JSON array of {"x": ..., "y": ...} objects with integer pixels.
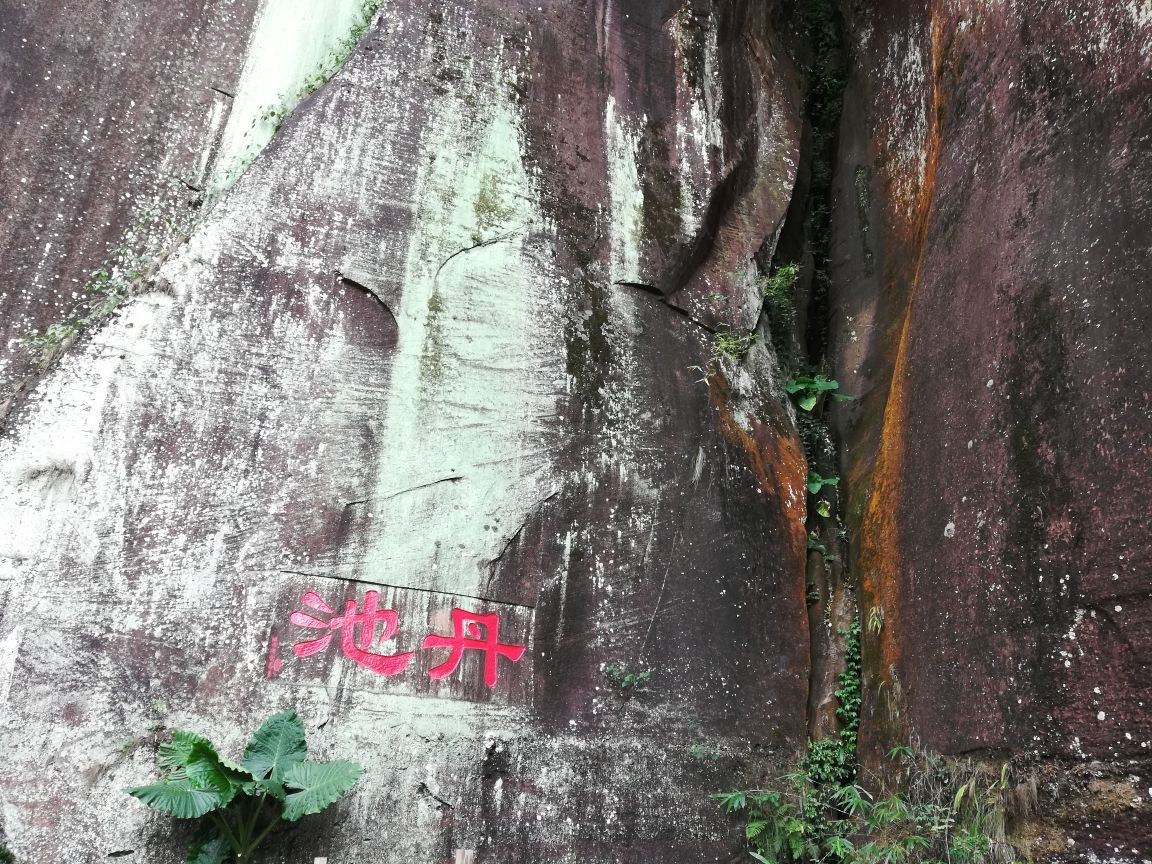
[{"x": 733, "y": 346}]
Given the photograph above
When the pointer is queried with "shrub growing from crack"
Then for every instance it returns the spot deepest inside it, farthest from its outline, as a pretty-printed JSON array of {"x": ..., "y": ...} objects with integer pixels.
[
  {"x": 733, "y": 346},
  {"x": 780, "y": 312}
]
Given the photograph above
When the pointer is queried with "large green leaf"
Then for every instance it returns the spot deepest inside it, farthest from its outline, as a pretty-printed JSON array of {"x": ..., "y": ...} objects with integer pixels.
[
  {"x": 208, "y": 845},
  {"x": 178, "y": 797},
  {"x": 320, "y": 783},
  {"x": 276, "y": 746},
  {"x": 207, "y": 770},
  {"x": 175, "y": 753},
  {"x": 265, "y": 787}
]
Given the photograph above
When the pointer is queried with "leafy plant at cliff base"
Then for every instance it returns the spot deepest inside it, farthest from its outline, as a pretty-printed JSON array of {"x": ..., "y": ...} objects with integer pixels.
[
  {"x": 950, "y": 812},
  {"x": 808, "y": 389},
  {"x": 241, "y": 804}
]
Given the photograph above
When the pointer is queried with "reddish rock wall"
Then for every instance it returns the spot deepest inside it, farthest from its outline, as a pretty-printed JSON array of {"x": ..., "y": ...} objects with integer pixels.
[
  {"x": 992, "y": 246},
  {"x": 450, "y": 339},
  {"x": 106, "y": 110}
]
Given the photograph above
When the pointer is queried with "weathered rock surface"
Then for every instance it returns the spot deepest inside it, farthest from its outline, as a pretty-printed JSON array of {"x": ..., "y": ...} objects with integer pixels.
[
  {"x": 106, "y": 109},
  {"x": 992, "y": 252},
  {"x": 436, "y": 343},
  {"x": 450, "y": 339}
]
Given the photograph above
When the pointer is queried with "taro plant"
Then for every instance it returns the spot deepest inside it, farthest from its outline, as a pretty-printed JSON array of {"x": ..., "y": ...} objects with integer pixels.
[
  {"x": 240, "y": 804},
  {"x": 808, "y": 390}
]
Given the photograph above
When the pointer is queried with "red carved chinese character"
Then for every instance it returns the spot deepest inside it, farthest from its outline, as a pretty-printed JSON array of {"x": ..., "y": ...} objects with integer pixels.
[
  {"x": 460, "y": 642},
  {"x": 384, "y": 664}
]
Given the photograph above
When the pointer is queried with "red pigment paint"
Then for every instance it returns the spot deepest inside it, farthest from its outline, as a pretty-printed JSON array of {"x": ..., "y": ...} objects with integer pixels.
[
  {"x": 360, "y": 650},
  {"x": 460, "y": 642},
  {"x": 466, "y": 636},
  {"x": 272, "y": 669}
]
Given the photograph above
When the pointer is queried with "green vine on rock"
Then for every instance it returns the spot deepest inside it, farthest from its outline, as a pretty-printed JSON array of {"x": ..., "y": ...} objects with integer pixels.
[{"x": 127, "y": 270}]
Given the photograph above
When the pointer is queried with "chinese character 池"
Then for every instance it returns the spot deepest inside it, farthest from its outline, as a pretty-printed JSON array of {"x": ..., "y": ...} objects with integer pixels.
[
  {"x": 384, "y": 664},
  {"x": 471, "y": 632}
]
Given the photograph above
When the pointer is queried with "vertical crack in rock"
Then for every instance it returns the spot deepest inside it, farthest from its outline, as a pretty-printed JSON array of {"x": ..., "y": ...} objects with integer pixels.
[{"x": 797, "y": 322}]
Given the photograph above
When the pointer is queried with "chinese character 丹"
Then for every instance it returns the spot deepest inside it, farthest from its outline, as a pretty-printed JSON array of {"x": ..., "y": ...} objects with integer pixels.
[
  {"x": 361, "y": 651},
  {"x": 466, "y": 637}
]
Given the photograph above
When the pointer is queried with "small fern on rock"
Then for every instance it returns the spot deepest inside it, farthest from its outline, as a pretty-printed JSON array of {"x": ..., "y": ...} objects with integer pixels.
[{"x": 240, "y": 804}]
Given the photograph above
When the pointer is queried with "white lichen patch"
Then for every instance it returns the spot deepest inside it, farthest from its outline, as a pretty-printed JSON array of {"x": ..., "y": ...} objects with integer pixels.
[
  {"x": 290, "y": 41},
  {"x": 907, "y": 127},
  {"x": 700, "y": 134},
  {"x": 626, "y": 198},
  {"x": 464, "y": 453}
]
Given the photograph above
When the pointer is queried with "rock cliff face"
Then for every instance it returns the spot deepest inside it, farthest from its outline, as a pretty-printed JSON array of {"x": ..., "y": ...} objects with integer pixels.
[
  {"x": 456, "y": 336},
  {"x": 991, "y": 244},
  {"x": 436, "y": 343}
]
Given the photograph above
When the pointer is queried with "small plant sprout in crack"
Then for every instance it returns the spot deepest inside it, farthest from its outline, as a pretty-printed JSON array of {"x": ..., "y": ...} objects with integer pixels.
[
  {"x": 815, "y": 545},
  {"x": 734, "y": 346},
  {"x": 808, "y": 390},
  {"x": 875, "y": 619},
  {"x": 240, "y": 804},
  {"x": 823, "y": 508},
  {"x": 620, "y": 677},
  {"x": 726, "y": 345},
  {"x": 816, "y": 483}
]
